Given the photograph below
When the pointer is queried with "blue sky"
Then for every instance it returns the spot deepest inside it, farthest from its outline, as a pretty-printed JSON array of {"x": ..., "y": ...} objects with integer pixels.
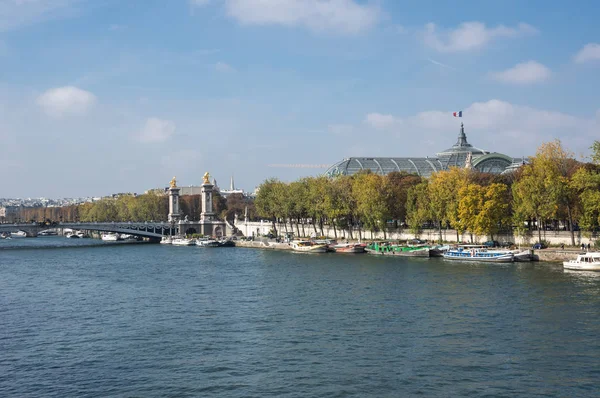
[{"x": 106, "y": 96}]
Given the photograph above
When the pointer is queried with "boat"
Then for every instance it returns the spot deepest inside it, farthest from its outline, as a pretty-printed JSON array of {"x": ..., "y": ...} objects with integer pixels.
[
  {"x": 19, "y": 234},
  {"x": 47, "y": 233},
  {"x": 348, "y": 247},
  {"x": 5, "y": 235},
  {"x": 182, "y": 241},
  {"x": 110, "y": 237},
  {"x": 522, "y": 256},
  {"x": 75, "y": 234},
  {"x": 306, "y": 246},
  {"x": 438, "y": 251},
  {"x": 226, "y": 242},
  {"x": 390, "y": 249},
  {"x": 479, "y": 253},
  {"x": 207, "y": 242},
  {"x": 166, "y": 240},
  {"x": 128, "y": 237},
  {"x": 589, "y": 261}
]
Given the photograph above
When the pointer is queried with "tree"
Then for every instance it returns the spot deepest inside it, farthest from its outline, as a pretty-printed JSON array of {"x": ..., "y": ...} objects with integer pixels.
[
  {"x": 418, "y": 209},
  {"x": 556, "y": 165},
  {"x": 531, "y": 199},
  {"x": 595, "y": 152},
  {"x": 444, "y": 188},
  {"x": 586, "y": 183},
  {"x": 267, "y": 204}
]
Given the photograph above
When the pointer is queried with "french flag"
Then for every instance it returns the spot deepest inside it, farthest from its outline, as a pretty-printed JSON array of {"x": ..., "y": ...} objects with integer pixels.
[{"x": 457, "y": 114}]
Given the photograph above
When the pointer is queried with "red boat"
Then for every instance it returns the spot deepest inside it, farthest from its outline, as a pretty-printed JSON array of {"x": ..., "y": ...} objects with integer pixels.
[{"x": 348, "y": 247}]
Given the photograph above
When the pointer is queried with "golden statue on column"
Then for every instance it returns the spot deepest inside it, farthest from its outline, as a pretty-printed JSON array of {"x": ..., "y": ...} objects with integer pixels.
[
  {"x": 173, "y": 183},
  {"x": 206, "y": 178}
]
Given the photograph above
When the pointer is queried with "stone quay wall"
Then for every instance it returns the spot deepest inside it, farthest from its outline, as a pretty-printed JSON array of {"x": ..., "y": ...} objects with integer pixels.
[{"x": 260, "y": 228}]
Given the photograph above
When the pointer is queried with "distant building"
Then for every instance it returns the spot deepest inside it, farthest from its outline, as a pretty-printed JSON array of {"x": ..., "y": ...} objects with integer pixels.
[
  {"x": 461, "y": 154},
  {"x": 9, "y": 214},
  {"x": 226, "y": 192}
]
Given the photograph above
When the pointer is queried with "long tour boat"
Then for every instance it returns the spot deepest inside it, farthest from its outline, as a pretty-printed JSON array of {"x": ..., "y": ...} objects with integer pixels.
[{"x": 480, "y": 254}]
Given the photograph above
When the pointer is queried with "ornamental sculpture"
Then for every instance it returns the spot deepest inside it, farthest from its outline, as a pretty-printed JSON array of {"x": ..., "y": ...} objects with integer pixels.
[
  {"x": 206, "y": 178},
  {"x": 173, "y": 183}
]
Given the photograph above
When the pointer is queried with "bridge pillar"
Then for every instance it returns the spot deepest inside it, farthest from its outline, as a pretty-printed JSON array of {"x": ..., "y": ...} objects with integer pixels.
[
  {"x": 209, "y": 225},
  {"x": 174, "y": 211}
]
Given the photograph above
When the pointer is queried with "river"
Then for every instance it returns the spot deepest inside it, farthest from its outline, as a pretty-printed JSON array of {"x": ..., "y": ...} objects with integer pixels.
[{"x": 83, "y": 318}]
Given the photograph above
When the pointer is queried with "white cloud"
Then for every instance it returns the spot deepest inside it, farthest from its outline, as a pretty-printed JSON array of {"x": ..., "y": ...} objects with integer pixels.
[
  {"x": 589, "y": 52},
  {"x": 16, "y": 13},
  {"x": 470, "y": 36},
  {"x": 380, "y": 121},
  {"x": 493, "y": 125},
  {"x": 523, "y": 73},
  {"x": 64, "y": 101},
  {"x": 224, "y": 68},
  {"x": 340, "y": 16},
  {"x": 156, "y": 130}
]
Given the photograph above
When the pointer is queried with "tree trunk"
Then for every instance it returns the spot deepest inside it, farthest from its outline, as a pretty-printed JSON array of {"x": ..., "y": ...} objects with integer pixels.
[
  {"x": 274, "y": 226},
  {"x": 440, "y": 231},
  {"x": 321, "y": 226},
  {"x": 571, "y": 225},
  {"x": 539, "y": 229},
  {"x": 303, "y": 231},
  {"x": 298, "y": 226},
  {"x": 334, "y": 231}
]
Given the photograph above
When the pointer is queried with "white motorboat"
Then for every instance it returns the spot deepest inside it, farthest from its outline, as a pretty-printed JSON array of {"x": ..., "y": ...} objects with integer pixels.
[
  {"x": 75, "y": 234},
  {"x": 166, "y": 240},
  {"x": 589, "y": 261},
  {"x": 183, "y": 241},
  {"x": 207, "y": 242},
  {"x": 19, "y": 234},
  {"x": 307, "y": 246},
  {"x": 110, "y": 237}
]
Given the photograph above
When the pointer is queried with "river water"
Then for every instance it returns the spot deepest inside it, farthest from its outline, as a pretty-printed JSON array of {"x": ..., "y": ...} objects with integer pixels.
[{"x": 90, "y": 319}]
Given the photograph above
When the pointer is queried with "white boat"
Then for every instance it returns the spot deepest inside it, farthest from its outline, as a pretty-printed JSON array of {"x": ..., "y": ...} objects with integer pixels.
[
  {"x": 207, "y": 242},
  {"x": 75, "y": 234},
  {"x": 589, "y": 261},
  {"x": 110, "y": 237},
  {"x": 307, "y": 246},
  {"x": 166, "y": 240},
  {"x": 479, "y": 254},
  {"x": 183, "y": 241},
  {"x": 19, "y": 234}
]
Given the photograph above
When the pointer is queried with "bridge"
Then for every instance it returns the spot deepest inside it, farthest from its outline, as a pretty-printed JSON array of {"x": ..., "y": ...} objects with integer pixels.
[{"x": 155, "y": 230}]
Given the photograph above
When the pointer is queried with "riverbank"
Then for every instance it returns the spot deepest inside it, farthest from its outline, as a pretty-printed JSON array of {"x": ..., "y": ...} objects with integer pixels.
[{"x": 552, "y": 255}]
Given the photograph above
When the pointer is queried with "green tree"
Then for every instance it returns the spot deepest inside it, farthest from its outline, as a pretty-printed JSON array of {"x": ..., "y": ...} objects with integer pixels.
[{"x": 418, "y": 207}]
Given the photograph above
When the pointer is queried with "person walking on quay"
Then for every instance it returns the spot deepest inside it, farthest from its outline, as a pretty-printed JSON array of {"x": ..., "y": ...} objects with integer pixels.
[{"x": 583, "y": 246}]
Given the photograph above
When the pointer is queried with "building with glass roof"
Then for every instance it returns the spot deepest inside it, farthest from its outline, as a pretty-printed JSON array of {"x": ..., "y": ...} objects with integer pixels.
[{"x": 461, "y": 154}]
